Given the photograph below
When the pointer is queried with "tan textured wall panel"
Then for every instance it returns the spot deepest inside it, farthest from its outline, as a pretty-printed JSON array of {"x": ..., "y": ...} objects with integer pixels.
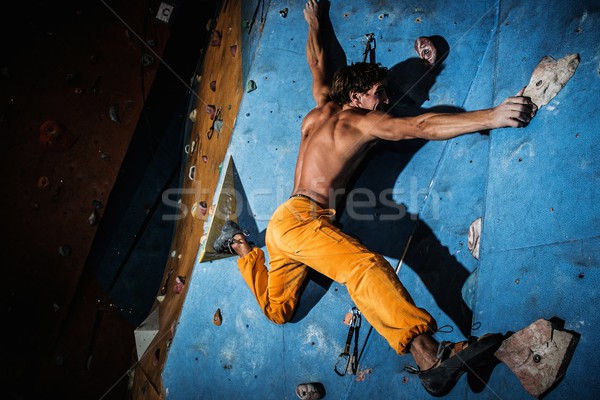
[{"x": 222, "y": 65}]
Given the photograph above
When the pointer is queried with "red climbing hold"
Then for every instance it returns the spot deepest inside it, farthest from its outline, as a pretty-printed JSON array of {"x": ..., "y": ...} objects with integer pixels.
[
  {"x": 211, "y": 110},
  {"x": 233, "y": 50},
  {"x": 54, "y": 136},
  {"x": 179, "y": 284}
]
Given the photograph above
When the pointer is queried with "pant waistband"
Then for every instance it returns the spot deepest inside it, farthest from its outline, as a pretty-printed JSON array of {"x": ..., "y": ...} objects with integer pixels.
[{"x": 308, "y": 198}]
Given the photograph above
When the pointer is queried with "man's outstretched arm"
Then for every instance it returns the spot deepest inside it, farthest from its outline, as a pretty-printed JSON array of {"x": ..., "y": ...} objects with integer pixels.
[
  {"x": 315, "y": 54},
  {"x": 515, "y": 112}
]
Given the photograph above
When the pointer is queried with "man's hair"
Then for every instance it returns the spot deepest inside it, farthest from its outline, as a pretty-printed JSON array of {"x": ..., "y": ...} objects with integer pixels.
[{"x": 358, "y": 77}]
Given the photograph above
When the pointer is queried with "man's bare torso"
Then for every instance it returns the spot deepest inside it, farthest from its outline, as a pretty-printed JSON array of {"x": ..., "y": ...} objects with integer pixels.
[{"x": 331, "y": 149}]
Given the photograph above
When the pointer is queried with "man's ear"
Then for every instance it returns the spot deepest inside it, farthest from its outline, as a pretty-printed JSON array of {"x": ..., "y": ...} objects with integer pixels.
[{"x": 355, "y": 98}]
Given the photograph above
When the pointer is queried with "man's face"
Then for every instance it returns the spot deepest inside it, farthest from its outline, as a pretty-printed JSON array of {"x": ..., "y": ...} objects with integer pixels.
[{"x": 374, "y": 99}]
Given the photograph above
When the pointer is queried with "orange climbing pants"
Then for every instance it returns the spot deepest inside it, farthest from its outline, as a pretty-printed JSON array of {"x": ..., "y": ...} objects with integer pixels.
[{"x": 300, "y": 236}]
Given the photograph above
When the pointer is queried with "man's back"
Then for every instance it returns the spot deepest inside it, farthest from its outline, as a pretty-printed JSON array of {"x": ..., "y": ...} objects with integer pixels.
[{"x": 331, "y": 148}]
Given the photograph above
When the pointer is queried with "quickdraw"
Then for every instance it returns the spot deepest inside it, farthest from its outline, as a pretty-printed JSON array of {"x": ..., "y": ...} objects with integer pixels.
[
  {"x": 347, "y": 360},
  {"x": 370, "y": 47}
]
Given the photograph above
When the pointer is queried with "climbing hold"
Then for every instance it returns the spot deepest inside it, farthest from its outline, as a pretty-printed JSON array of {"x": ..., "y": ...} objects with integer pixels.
[
  {"x": 215, "y": 38},
  {"x": 147, "y": 60},
  {"x": 205, "y": 159},
  {"x": 211, "y": 110},
  {"x": 362, "y": 374},
  {"x": 348, "y": 318},
  {"x": 250, "y": 86},
  {"x": 192, "y": 115},
  {"x": 218, "y": 318},
  {"x": 538, "y": 355},
  {"x": 469, "y": 289},
  {"x": 426, "y": 50},
  {"x": 64, "y": 250},
  {"x": 474, "y": 236},
  {"x": 113, "y": 113},
  {"x": 233, "y": 50},
  {"x": 213, "y": 85},
  {"x": 549, "y": 77},
  {"x": 199, "y": 210},
  {"x": 192, "y": 172},
  {"x": 179, "y": 284},
  {"x": 54, "y": 136},
  {"x": 93, "y": 218},
  {"x": 203, "y": 207},
  {"x": 218, "y": 125},
  {"x": 284, "y": 12},
  {"x": 310, "y": 391},
  {"x": 43, "y": 182}
]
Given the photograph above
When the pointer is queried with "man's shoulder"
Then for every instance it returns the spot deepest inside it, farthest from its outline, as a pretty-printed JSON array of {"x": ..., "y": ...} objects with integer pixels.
[
  {"x": 330, "y": 107},
  {"x": 326, "y": 110}
]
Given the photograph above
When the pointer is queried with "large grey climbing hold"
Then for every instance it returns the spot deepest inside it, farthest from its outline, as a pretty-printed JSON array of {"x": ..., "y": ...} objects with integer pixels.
[
  {"x": 538, "y": 355},
  {"x": 549, "y": 77}
]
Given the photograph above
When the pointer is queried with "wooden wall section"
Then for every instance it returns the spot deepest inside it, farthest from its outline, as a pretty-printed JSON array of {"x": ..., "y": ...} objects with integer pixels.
[{"x": 219, "y": 92}]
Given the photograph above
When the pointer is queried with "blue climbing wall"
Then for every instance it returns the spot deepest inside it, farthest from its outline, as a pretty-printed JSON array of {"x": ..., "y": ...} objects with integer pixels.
[{"x": 534, "y": 188}]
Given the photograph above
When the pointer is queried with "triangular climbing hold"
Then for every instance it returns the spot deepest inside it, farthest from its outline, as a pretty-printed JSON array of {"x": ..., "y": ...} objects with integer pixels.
[
  {"x": 145, "y": 333},
  {"x": 225, "y": 209}
]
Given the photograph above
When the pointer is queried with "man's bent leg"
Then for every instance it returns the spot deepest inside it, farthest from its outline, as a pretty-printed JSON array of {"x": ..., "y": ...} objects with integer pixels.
[
  {"x": 304, "y": 232},
  {"x": 277, "y": 291}
]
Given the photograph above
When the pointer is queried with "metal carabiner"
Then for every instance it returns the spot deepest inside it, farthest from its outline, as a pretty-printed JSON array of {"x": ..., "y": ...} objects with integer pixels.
[{"x": 343, "y": 357}]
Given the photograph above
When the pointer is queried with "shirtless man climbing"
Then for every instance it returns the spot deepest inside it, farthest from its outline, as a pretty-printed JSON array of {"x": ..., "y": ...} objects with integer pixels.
[{"x": 336, "y": 136}]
